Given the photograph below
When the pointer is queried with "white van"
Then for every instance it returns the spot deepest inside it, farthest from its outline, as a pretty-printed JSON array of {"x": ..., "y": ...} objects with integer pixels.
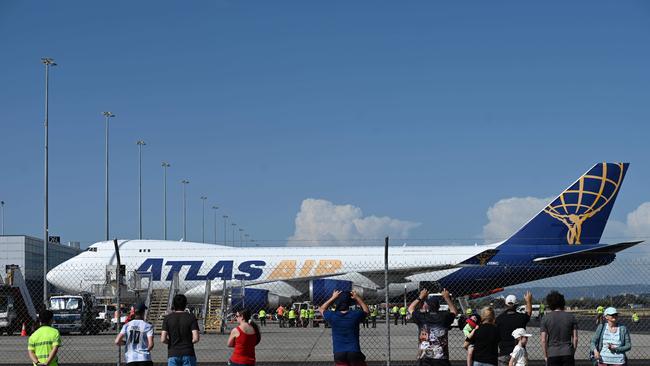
[{"x": 535, "y": 314}]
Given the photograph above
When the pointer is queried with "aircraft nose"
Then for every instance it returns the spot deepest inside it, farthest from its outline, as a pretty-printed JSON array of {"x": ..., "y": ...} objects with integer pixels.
[{"x": 57, "y": 277}]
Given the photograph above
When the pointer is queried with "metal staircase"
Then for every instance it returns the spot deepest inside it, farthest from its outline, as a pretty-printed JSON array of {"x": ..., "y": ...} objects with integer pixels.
[
  {"x": 158, "y": 303},
  {"x": 213, "y": 316}
]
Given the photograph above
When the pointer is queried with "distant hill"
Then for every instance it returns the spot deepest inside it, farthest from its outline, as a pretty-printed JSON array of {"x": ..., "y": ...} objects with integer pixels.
[{"x": 577, "y": 292}]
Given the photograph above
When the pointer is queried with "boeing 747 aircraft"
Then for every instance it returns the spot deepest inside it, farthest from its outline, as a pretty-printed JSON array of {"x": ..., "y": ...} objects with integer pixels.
[{"x": 563, "y": 237}]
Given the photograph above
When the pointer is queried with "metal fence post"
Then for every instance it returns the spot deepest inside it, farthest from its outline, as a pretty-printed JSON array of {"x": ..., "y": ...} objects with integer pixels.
[
  {"x": 118, "y": 276},
  {"x": 386, "y": 307}
]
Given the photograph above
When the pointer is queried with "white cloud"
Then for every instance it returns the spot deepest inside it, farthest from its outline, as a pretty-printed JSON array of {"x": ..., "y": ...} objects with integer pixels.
[
  {"x": 638, "y": 222},
  {"x": 323, "y": 222},
  {"x": 510, "y": 214}
]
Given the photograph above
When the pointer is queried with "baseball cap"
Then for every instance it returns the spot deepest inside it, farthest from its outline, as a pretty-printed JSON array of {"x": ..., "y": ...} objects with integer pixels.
[
  {"x": 611, "y": 311},
  {"x": 140, "y": 308},
  {"x": 511, "y": 300},
  {"x": 520, "y": 332}
]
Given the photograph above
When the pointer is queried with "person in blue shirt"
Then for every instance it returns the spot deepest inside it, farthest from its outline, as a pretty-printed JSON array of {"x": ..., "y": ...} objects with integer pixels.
[{"x": 345, "y": 327}]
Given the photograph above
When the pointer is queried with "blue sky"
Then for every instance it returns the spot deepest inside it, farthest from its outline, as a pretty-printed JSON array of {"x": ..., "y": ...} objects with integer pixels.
[{"x": 426, "y": 112}]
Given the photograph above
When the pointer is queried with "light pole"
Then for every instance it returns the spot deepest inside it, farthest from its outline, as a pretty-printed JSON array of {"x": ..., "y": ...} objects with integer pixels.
[
  {"x": 203, "y": 198},
  {"x": 241, "y": 237},
  {"x": 140, "y": 144},
  {"x": 47, "y": 61},
  {"x": 225, "y": 230},
  {"x": 215, "y": 208},
  {"x": 184, "y": 182},
  {"x": 233, "y": 234},
  {"x": 165, "y": 165},
  {"x": 107, "y": 115},
  {"x": 246, "y": 236},
  {"x": 2, "y": 213}
]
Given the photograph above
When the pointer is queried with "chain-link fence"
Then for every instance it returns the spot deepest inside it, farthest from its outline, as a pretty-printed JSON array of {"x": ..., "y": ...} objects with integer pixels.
[{"x": 293, "y": 331}]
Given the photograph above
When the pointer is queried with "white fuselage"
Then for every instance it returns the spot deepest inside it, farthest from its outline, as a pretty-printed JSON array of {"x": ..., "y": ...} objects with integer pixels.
[{"x": 261, "y": 266}]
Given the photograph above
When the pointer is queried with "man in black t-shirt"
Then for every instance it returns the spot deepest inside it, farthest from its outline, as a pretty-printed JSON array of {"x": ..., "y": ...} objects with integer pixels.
[
  {"x": 510, "y": 320},
  {"x": 433, "y": 325},
  {"x": 180, "y": 331}
]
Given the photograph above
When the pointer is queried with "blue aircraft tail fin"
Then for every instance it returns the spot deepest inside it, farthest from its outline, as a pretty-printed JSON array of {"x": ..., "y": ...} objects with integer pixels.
[{"x": 578, "y": 215}]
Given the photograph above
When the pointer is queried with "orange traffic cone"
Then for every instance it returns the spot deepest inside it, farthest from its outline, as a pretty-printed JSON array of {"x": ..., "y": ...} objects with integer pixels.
[{"x": 23, "y": 332}]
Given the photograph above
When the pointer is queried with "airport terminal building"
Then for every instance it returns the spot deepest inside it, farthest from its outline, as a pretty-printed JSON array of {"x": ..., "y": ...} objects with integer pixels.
[{"x": 27, "y": 252}]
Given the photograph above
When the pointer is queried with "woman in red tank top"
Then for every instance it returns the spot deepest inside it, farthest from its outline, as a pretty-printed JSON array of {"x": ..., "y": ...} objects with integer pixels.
[{"x": 244, "y": 338}]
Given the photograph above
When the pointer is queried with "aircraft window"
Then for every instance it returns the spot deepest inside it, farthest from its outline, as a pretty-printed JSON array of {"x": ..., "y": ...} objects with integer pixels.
[{"x": 91, "y": 249}]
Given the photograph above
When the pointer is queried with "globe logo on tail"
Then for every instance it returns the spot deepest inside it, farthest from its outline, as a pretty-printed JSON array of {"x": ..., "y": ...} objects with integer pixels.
[{"x": 590, "y": 194}]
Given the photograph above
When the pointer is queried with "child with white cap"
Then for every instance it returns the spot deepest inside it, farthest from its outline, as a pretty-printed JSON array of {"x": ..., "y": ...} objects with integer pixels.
[{"x": 519, "y": 355}]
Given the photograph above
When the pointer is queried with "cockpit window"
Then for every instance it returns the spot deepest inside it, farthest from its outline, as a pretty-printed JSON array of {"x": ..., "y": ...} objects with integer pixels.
[
  {"x": 65, "y": 304},
  {"x": 91, "y": 249}
]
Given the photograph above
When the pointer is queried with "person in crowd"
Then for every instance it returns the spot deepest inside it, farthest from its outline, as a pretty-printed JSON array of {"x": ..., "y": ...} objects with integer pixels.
[
  {"x": 510, "y": 320},
  {"x": 43, "y": 345},
  {"x": 280, "y": 314},
  {"x": 366, "y": 320},
  {"x": 395, "y": 313},
  {"x": 471, "y": 323},
  {"x": 373, "y": 316},
  {"x": 402, "y": 314},
  {"x": 433, "y": 326},
  {"x": 137, "y": 337},
  {"x": 292, "y": 317},
  {"x": 635, "y": 318},
  {"x": 485, "y": 338},
  {"x": 180, "y": 331},
  {"x": 345, "y": 327},
  {"x": 542, "y": 308},
  {"x": 599, "y": 314},
  {"x": 312, "y": 315},
  {"x": 611, "y": 340},
  {"x": 262, "y": 316},
  {"x": 559, "y": 332},
  {"x": 243, "y": 339},
  {"x": 519, "y": 354}
]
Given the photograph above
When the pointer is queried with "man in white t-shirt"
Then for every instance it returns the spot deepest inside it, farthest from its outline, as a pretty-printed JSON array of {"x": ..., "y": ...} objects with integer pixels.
[{"x": 137, "y": 337}]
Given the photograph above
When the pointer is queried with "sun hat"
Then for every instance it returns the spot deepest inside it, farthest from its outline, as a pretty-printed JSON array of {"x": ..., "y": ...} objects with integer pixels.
[{"x": 520, "y": 332}]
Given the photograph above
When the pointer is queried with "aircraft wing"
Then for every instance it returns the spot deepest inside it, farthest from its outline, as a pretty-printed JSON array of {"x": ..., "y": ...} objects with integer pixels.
[{"x": 588, "y": 254}]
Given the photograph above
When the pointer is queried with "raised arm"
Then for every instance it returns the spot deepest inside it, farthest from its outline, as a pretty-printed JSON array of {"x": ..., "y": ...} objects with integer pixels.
[
  {"x": 421, "y": 297},
  {"x": 360, "y": 302},
  {"x": 450, "y": 302},
  {"x": 528, "y": 298},
  {"x": 329, "y": 302}
]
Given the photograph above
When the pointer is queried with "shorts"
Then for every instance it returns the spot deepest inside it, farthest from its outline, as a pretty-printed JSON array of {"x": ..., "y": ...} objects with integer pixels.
[
  {"x": 349, "y": 359},
  {"x": 611, "y": 364},
  {"x": 140, "y": 363},
  {"x": 433, "y": 362},
  {"x": 561, "y": 361},
  {"x": 181, "y": 361}
]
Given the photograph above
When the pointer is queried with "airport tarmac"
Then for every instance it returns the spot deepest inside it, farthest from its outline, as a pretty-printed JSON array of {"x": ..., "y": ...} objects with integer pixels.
[{"x": 298, "y": 346}]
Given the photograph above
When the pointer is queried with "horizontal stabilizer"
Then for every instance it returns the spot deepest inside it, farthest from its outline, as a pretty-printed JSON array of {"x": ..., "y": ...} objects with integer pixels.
[{"x": 588, "y": 254}]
